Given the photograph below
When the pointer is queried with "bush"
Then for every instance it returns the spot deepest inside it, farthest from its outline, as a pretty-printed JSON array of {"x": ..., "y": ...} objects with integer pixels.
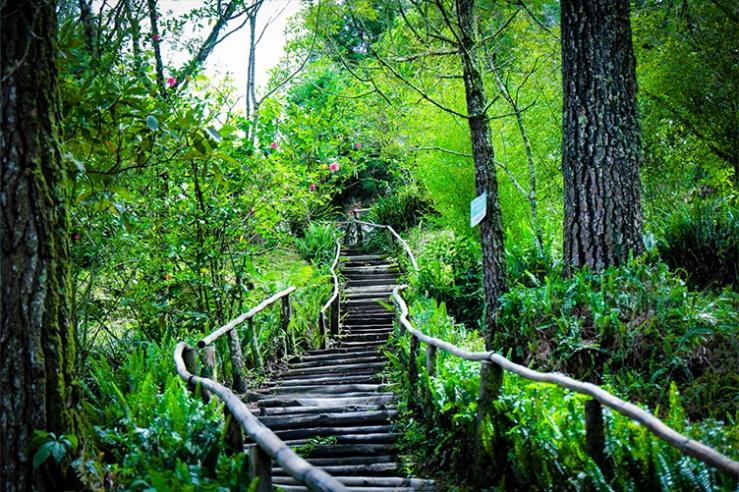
[
  {"x": 319, "y": 242},
  {"x": 703, "y": 240},
  {"x": 451, "y": 272},
  {"x": 639, "y": 324},
  {"x": 545, "y": 429},
  {"x": 400, "y": 210},
  {"x": 528, "y": 265},
  {"x": 148, "y": 430}
]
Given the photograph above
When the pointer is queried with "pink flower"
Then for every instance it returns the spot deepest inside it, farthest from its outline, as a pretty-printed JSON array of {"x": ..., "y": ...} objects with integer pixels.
[
  {"x": 357, "y": 145},
  {"x": 171, "y": 82},
  {"x": 273, "y": 145},
  {"x": 333, "y": 167},
  {"x": 312, "y": 187}
]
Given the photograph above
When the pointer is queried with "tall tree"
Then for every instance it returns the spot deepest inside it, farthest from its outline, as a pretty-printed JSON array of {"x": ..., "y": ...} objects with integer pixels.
[
  {"x": 600, "y": 151},
  {"x": 601, "y": 139},
  {"x": 37, "y": 343}
]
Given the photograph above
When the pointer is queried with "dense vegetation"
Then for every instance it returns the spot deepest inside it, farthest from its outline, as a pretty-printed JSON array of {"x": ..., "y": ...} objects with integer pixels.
[{"x": 180, "y": 210}]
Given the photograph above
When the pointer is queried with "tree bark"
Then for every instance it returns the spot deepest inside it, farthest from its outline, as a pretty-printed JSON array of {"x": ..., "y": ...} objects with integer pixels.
[
  {"x": 37, "y": 342},
  {"x": 601, "y": 138},
  {"x": 491, "y": 228},
  {"x": 155, "y": 42}
]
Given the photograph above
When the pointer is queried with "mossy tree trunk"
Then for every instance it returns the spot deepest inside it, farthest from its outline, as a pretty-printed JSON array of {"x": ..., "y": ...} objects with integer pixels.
[
  {"x": 37, "y": 343},
  {"x": 601, "y": 140},
  {"x": 601, "y": 152},
  {"x": 491, "y": 227}
]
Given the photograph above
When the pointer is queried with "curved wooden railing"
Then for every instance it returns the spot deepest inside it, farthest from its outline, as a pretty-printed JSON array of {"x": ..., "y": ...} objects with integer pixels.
[
  {"x": 686, "y": 445},
  {"x": 332, "y": 306},
  {"x": 237, "y": 358},
  {"x": 268, "y": 445},
  {"x": 358, "y": 223}
]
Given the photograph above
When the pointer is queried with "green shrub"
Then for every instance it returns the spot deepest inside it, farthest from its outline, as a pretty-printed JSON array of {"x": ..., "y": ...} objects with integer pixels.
[
  {"x": 147, "y": 429},
  {"x": 637, "y": 326},
  {"x": 703, "y": 240},
  {"x": 401, "y": 210},
  {"x": 545, "y": 431},
  {"x": 450, "y": 271},
  {"x": 527, "y": 264},
  {"x": 319, "y": 242}
]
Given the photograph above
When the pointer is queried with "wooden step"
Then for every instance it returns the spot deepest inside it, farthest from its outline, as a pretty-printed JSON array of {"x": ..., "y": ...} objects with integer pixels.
[
  {"x": 310, "y": 432},
  {"x": 328, "y": 419},
  {"x": 364, "y": 481}
]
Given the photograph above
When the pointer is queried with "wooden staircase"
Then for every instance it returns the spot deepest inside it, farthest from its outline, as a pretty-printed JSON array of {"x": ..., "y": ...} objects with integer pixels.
[{"x": 332, "y": 405}]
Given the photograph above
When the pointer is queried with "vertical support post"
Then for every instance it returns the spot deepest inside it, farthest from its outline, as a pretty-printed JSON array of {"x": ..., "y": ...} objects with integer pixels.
[
  {"x": 412, "y": 364},
  {"x": 285, "y": 316},
  {"x": 208, "y": 367},
  {"x": 335, "y": 317},
  {"x": 237, "y": 361},
  {"x": 430, "y": 360},
  {"x": 189, "y": 357},
  {"x": 358, "y": 228},
  {"x": 254, "y": 344},
  {"x": 233, "y": 438},
  {"x": 260, "y": 467},
  {"x": 322, "y": 328},
  {"x": 595, "y": 437}
]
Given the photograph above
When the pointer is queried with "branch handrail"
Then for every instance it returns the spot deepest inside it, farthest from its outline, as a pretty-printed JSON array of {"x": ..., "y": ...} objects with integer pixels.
[
  {"x": 314, "y": 478},
  {"x": 244, "y": 317},
  {"x": 335, "y": 293},
  {"x": 332, "y": 304},
  {"x": 397, "y": 237},
  {"x": 684, "y": 444}
]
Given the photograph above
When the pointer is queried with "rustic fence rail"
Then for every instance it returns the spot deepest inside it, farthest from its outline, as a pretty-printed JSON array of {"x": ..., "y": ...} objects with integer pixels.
[
  {"x": 237, "y": 357},
  {"x": 332, "y": 306},
  {"x": 268, "y": 445}
]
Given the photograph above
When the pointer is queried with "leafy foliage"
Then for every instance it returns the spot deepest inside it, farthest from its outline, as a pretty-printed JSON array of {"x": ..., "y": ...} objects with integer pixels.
[
  {"x": 703, "y": 241},
  {"x": 636, "y": 326}
]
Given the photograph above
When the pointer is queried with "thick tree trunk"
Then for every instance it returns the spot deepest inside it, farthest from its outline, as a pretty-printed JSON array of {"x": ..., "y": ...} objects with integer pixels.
[
  {"x": 601, "y": 139},
  {"x": 37, "y": 343},
  {"x": 491, "y": 228}
]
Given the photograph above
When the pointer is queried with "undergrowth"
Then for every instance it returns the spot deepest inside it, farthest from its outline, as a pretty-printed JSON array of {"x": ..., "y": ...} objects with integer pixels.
[{"x": 545, "y": 424}]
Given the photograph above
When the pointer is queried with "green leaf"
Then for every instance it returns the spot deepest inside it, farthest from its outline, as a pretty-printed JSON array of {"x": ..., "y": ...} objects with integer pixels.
[
  {"x": 42, "y": 454},
  {"x": 152, "y": 122}
]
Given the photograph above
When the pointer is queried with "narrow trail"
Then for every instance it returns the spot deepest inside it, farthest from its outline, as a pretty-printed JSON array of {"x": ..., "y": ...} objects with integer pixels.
[{"x": 333, "y": 404}]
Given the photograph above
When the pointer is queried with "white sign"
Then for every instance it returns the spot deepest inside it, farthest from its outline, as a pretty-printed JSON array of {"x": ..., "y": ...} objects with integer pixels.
[{"x": 478, "y": 209}]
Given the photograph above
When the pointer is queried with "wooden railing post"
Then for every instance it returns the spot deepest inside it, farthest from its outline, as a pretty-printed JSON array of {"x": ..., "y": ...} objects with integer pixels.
[
  {"x": 412, "y": 364},
  {"x": 190, "y": 357},
  {"x": 335, "y": 317},
  {"x": 322, "y": 329},
  {"x": 208, "y": 367},
  {"x": 358, "y": 228},
  {"x": 430, "y": 360},
  {"x": 254, "y": 344},
  {"x": 260, "y": 467},
  {"x": 285, "y": 315},
  {"x": 237, "y": 361},
  {"x": 233, "y": 438},
  {"x": 595, "y": 436}
]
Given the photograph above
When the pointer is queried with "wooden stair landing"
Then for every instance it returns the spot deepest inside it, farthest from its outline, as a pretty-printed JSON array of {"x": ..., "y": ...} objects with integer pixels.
[{"x": 333, "y": 405}]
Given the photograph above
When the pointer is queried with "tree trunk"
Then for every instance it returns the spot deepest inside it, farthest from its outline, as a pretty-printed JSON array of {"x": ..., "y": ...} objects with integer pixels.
[
  {"x": 601, "y": 140},
  {"x": 491, "y": 228},
  {"x": 155, "y": 42},
  {"x": 37, "y": 342}
]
